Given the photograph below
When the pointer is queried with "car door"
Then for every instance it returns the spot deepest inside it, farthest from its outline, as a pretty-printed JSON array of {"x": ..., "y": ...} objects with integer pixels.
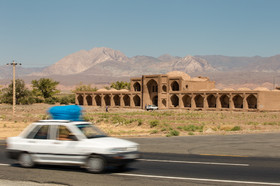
[
  {"x": 66, "y": 146},
  {"x": 38, "y": 142}
]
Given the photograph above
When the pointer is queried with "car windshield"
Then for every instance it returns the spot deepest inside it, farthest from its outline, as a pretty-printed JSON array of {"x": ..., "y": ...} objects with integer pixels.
[{"x": 91, "y": 131}]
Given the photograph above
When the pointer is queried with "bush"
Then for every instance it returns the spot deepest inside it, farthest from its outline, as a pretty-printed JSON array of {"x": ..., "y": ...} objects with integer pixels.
[
  {"x": 64, "y": 100},
  {"x": 39, "y": 99},
  {"x": 51, "y": 100},
  {"x": 23, "y": 95},
  {"x": 192, "y": 128},
  {"x": 173, "y": 133},
  {"x": 190, "y": 133},
  {"x": 118, "y": 120},
  {"x": 26, "y": 100},
  {"x": 67, "y": 99},
  {"x": 154, "y": 131},
  {"x": 154, "y": 123},
  {"x": 236, "y": 128},
  {"x": 140, "y": 122}
]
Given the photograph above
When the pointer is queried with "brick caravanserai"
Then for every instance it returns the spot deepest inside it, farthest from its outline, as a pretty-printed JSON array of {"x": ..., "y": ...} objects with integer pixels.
[{"x": 177, "y": 90}]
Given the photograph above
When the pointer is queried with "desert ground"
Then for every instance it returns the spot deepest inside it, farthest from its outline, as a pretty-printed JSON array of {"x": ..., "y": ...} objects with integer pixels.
[{"x": 137, "y": 123}]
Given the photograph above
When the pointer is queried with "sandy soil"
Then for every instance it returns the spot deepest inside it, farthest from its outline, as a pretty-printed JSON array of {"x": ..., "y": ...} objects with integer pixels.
[{"x": 136, "y": 122}]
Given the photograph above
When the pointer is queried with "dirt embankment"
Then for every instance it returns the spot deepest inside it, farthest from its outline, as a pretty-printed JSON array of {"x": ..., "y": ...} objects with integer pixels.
[{"x": 136, "y": 122}]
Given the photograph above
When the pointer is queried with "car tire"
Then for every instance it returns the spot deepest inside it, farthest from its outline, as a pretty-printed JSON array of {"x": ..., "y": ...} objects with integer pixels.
[
  {"x": 95, "y": 164},
  {"x": 25, "y": 160},
  {"x": 122, "y": 167}
]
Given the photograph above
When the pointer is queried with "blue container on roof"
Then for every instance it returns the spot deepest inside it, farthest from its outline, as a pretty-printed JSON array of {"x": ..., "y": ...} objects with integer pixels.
[{"x": 68, "y": 112}]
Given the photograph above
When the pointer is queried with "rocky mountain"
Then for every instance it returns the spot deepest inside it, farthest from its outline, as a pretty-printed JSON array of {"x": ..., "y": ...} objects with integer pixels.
[
  {"x": 190, "y": 64},
  {"x": 84, "y": 60},
  {"x": 100, "y": 61},
  {"x": 105, "y": 65},
  {"x": 251, "y": 64}
]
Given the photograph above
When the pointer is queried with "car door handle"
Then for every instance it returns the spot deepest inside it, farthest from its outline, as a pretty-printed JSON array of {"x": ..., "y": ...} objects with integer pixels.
[
  {"x": 56, "y": 142},
  {"x": 31, "y": 141}
]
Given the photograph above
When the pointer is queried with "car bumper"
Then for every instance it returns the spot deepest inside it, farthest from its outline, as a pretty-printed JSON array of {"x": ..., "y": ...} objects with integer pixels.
[{"x": 122, "y": 158}]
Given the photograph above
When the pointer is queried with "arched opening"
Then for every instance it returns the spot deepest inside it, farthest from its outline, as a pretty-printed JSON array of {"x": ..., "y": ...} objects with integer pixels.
[
  {"x": 174, "y": 100},
  {"x": 137, "y": 87},
  {"x": 98, "y": 100},
  {"x": 126, "y": 100},
  {"x": 152, "y": 86},
  {"x": 187, "y": 101},
  {"x": 238, "y": 101},
  {"x": 107, "y": 100},
  {"x": 224, "y": 99},
  {"x": 155, "y": 100},
  {"x": 89, "y": 99},
  {"x": 211, "y": 100},
  {"x": 252, "y": 102},
  {"x": 136, "y": 100},
  {"x": 80, "y": 100},
  {"x": 153, "y": 91},
  {"x": 117, "y": 100},
  {"x": 164, "y": 88},
  {"x": 164, "y": 102},
  {"x": 175, "y": 86},
  {"x": 199, "y": 101}
]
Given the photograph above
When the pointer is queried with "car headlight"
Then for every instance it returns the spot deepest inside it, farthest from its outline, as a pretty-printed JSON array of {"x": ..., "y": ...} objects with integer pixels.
[
  {"x": 132, "y": 149},
  {"x": 118, "y": 150},
  {"x": 123, "y": 149}
]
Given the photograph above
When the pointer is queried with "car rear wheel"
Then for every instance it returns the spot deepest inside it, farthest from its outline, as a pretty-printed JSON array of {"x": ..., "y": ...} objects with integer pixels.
[
  {"x": 95, "y": 164},
  {"x": 25, "y": 160}
]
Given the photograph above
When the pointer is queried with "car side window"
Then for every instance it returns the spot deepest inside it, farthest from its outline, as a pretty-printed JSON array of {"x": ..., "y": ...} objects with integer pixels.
[
  {"x": 42, "y": 133},
  {"x": 64, "y": 133}
]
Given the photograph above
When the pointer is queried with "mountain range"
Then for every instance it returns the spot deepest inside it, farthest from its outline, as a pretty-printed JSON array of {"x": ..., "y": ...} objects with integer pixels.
[{"x": 104, "y": 65}]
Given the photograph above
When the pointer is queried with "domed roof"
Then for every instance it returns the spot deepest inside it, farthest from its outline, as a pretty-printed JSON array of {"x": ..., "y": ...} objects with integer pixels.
[
  {"x": 124, "y": 90},
  {"x": 261, "y": 88},
  {"x": 113, "y": 89},
  {"x": 179, "y": 74},
  {"x": 228, "y": 89},
  {"x": 102, "y": 90},
  {"x": 215, "y": 89},
  {"x": 243, "y": 88}
]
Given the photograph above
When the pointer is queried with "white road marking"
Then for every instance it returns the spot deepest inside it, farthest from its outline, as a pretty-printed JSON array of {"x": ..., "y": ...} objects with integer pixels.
[
  {"x": 1, "y": 164},
  {"x": 183, "y": 178},
  {"x": 197, "y": 179},
  {"x": 196, "y": 162}
]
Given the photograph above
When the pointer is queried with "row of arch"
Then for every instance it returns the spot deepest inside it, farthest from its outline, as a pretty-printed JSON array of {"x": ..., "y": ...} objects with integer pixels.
[
  {"x": 199, "y": 101},
  {"x": 109, "y": 100},
  {"x": 211, "y": 101}
]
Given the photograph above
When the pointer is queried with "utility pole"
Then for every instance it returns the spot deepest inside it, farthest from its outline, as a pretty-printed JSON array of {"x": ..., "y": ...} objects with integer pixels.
[{"x": 14, "y": 84}]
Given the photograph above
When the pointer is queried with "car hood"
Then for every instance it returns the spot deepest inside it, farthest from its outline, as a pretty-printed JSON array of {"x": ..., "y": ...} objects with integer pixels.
[{"x": 110, "y": 142}]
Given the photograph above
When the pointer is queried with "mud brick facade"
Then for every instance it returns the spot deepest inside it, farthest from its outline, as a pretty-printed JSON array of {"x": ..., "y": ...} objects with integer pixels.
[{"x": 177, "y": 90}]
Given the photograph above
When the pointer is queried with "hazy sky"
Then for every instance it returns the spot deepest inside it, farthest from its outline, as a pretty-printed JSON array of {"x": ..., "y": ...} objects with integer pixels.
[{"x": 41, "y": 32}]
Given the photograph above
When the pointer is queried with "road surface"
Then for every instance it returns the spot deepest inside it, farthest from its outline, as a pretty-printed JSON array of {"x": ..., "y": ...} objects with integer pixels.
[{"x": 195, "y": 160}]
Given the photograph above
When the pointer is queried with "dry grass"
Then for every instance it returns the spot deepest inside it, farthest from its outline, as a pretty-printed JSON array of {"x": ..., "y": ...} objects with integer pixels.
[{"x": 135, "y": 122}]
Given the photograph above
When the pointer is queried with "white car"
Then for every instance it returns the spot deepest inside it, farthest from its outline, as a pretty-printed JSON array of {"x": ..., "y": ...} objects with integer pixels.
[
  {"x": 151, "y": 107},
  {"x": 70, "y": 142}
]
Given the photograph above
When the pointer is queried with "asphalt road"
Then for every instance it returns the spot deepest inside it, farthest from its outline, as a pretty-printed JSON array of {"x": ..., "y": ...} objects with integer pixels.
[{"x": 173, "y": 161}]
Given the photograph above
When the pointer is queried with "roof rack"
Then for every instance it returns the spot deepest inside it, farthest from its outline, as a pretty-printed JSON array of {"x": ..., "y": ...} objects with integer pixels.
[{"x": 57, "y": 121}]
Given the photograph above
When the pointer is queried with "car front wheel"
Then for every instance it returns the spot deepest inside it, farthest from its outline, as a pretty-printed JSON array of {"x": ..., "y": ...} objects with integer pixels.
[
  {"x": 25, "y": 160},
  {"x": 95, "y": 164}
]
